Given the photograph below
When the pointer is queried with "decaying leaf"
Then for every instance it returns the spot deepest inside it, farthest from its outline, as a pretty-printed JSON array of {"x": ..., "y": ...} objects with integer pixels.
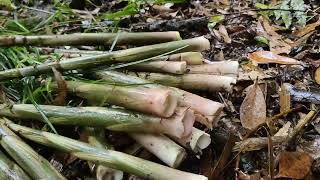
[
  {"x": 317, "y": 75},
  {"x": 265, "y": 57},
  {"x": 253, "y": 108},
  {"x": 307, "y": 29},
  {"x": 285, "y": 99},
  {"x": 62, "y": 88},
  {"x": 295, "y": 165},
  {"x": 223, "y": 32},
  {"x": 276, "y": 43}
]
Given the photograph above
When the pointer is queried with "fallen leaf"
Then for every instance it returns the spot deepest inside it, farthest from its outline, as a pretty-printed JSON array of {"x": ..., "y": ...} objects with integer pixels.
[
  {"x": 62, "y": 88},
  {"x": 276, "y": 43},
  {"x": 253, "y": 108},
  {"x": 285, "y": 99},
  {"x": 265, "y": 57},
  {"x": 317, "y": 75},
  {"x": 223, "y": 32},
  {"x": 307, "y": 29},
  {"x": 295, "y": 165}
]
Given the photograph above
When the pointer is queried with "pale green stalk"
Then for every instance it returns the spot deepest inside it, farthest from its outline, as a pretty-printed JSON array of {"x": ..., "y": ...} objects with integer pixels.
[
  {"x": 34, "y": 165},
  {"x": 190, "y": 81},
  {"x": 9, "y": 170},
  {"x": 111, "y": 118},
  {"x": 123, "y": 56},
  {"x": 122, "y": 38},
  {"x": 110, "y": 158},
  {"x": 158, "y": 101},
  {"x": 207, "y": 111}
]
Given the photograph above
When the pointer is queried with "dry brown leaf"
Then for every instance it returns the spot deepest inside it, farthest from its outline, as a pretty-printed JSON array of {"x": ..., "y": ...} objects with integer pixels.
[
  {"x": 253, "y": 108},
  {"x": 265, "y": 57},
  {"x": 307, "y": 29},
  {"x": 276, "y": 43},
  {"x": 285, "y": 99},
  {"x": 223, "y": 32},
  {"x": 317, "y": 75},
  {"x": 62, "y": 88},
  {"x": 295, "y": 165}
]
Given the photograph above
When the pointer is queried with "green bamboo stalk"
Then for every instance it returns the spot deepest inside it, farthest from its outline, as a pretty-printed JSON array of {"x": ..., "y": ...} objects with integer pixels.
[
  {"x": 158, "y": 101},
  {"x": 122, "y": 38},
  {"x": 129, "y": 55},
  {"x": 226, "y": 68},
  {"x": 179, "y": 125},
  {"x": 96, "y": 138},
  {"x": 207, "y": 111},
  {"x": 35, "y": 165},
  {"x": 9, "y": 170},
  {"x": 190, "y": 81},
  {"x": 191, "y": 58},
  {"x": 110, "y": 158},
  {"x": 173, "y": 67}
]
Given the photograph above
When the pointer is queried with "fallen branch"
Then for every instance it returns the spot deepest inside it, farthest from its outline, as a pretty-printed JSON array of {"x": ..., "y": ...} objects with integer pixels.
[
  {"x": 207, "y": 111},
  {"x": 190, "y": 81},
  {"x": 129, "y": 55},
  {"x": 254, "y": 144},
  {"x": 30, "y": 161},
  {"x": 230, "y": 68},
  {"x": 162, "y": 147},
  {"x": 110, "y": 158},
  {"x": 122, "y": 38},
  {"x": 10, "y": 170},
  {"x": 300, "y": 95},
  {"x": 173, "y": 67},
  {"x": 158, "y": 101},
  {"x": 179, "y": 125}
]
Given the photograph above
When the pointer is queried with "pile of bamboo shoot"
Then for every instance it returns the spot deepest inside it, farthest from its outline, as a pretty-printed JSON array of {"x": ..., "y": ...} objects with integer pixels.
[{"x": 145, "y": 91}]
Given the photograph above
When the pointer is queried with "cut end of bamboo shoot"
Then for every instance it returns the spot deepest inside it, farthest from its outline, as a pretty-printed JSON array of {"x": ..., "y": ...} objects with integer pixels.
[
  {"x": 164, "y": 102},
  {"x": 164, "y": 148},
  {"x": 197, "y": 141},
  {"x": 191, "y": 58},
  {"x": 181, "y": 123}
]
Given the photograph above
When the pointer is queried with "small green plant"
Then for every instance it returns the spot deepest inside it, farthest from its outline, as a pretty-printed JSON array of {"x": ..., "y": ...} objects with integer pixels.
[
  {"x": 133, "y": 7},
  {"x": 288, "y": 11}
]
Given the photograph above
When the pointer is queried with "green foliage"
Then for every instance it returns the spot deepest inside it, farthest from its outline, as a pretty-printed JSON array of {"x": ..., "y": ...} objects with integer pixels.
[
  {"x": 214, "y": 20},
  {"x": 288, "y": 11},
  {"x": 133, "y": 7},
  {"x": 7, "y": 4}
]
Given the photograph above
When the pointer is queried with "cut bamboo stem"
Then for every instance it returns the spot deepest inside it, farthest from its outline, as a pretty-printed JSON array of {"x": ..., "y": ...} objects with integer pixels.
[
  {"x": 190, "y": 81},
  {"x": 229, "y": 68},
  {"x": 129, "y": 55},
  {"x": 9, "y": 170},
  {"x": 197, "y": 141},
  {"x": 35, "y": 165},
  {"x": 110, "y": 158},
  {"x": 122, "y": 38},
  {"x": 179, "y": 125},
  {"x": 158, "y": 101},
  {"x": 97, "y": 138},
  {"x": 191, "y": 58},
  {"x": 207, "y": 111},
  {"x": 162, "y": 147},
  {"x": 173, "y": 67}
]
